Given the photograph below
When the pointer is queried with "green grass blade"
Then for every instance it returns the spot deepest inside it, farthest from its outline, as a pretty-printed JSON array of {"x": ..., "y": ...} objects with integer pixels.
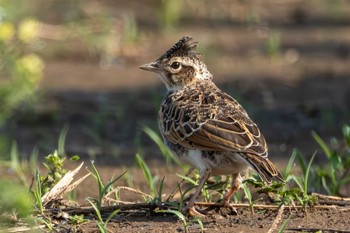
[
  {"x": 301, "y": 161},
  {"x": 101, "y": 227},
  {"x": 33, "y": 160},
  {"x": 296, "y": 180},
  {"x": 37, "y": 192},
  {"x": 290, "y": 164},
  {"x": 188, "y": 179},
  {"x": 325, "y": 186},
  {"x": 247, "y": 193},
  {"x": 105, "y": 189},
  {"x": 97, "y": 210},
  {"x": 96, "y": 174},
  {"x": 166, "y": 152},
  {"x": 322, "y": 144},
  {"x": 62, "y": 140},
  {"x": 160, "y": 190},
  {"x": 111, "y": 216},
  {"x": 175, "y": 212},
  {"x": 15, "y": 163},
  {"x": 307, "y": 173},
  {"x": 284, "y": 225},
  {"x": 346, "y": 134},
  {"x": 146, "y": 173}
]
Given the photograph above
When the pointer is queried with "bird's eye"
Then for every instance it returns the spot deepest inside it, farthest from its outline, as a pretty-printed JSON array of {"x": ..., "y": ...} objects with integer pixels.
[{"x": 175, "y": 65}]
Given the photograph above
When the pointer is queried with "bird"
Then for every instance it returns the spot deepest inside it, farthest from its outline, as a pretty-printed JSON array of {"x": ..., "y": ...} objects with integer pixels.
[{"x": 204, "y": 126}]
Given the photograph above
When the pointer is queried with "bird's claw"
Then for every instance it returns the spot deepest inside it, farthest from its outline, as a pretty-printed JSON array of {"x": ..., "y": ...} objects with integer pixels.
[
  {"x": 191, "y": 211},
  {"x": 227, "y": 209}
]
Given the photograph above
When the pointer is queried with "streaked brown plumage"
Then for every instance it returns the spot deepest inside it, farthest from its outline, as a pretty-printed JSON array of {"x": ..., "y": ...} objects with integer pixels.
[{"x": 205, "y": 126}]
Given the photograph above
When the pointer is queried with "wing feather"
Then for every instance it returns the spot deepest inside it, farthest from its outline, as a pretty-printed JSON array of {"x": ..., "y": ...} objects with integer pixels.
[{"x": 217, "y": 124}]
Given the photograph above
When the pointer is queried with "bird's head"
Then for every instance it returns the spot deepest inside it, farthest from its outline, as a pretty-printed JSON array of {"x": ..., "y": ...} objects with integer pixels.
[{"x": 180, "y": 65}]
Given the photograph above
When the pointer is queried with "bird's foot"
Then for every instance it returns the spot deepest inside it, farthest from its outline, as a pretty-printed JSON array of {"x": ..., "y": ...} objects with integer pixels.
[
  {"x": 191, "y": 211},
  {"x": 227, "y": 209}
]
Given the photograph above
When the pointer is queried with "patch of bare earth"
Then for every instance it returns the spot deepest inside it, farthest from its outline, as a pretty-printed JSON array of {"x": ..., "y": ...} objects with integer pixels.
[{"x": 264, "y": 219}]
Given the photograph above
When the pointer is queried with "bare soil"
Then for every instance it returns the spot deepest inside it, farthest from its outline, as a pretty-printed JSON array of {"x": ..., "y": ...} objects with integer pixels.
[{"x": 331, "y": 220}]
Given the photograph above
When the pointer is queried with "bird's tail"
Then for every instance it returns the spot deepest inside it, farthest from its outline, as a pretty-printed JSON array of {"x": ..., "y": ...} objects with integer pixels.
[{"x": 264, "y": 167}]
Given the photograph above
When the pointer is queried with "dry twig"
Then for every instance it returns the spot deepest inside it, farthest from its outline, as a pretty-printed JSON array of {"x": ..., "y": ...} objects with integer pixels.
[
  {"x": 63, "y": 186},
  {"x": 117, "y": 189},
  {"x": 277, "y": 219},
  {"x": 332, "y": 200}
]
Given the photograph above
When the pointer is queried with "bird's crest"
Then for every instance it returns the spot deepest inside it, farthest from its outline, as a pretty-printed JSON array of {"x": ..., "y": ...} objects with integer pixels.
[{"x": 183, "y": 47}]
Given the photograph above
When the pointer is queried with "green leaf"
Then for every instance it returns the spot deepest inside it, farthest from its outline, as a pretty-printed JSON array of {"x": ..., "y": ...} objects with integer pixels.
[
  {"x": 105, "y": 189},
  {"x": 166, "y": 152},
  {"x": 37, "y": 192},
  {"x": 111, "y": 216},
  {"x": 146, "y": 173},
  {"x": 97, "y": 210},
  {"x": 175, "y": 212},
  {"x": 346, "y": 134},
  {"x": 322, "y": 144},
  {"x": 301, "y": 161},
  {"x": 307, "y": 174},
  {"x": 96, "y": 174},
  {"x": 74, "y": 158},
  {"x": 62, "y": 140},
  {"x": 290, "y": 164},
  {"x": 160, "y": 190},
  {"x": 284, "y": 225},
  {"x": 188, "y": 179}
]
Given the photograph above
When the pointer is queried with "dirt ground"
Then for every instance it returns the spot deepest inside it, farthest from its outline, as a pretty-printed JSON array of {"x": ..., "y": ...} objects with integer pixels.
[
  {"x": 314, "y": 221},
  {"x": 304, "y": 86}
]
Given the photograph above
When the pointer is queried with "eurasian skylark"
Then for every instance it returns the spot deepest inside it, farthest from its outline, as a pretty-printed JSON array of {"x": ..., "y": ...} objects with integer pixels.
[{"x": 203, "y": 125}]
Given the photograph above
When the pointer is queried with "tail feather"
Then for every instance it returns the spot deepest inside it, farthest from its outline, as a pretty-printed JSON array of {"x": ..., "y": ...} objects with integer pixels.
[{"x": 264, "y": 167}]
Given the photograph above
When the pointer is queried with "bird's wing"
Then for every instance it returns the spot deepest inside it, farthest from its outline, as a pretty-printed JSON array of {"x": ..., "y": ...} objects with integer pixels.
[{"x": 218, "y": 123}]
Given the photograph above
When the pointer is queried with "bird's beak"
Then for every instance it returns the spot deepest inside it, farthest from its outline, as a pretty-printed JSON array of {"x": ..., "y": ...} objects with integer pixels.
[{"x": 150, "y": 67}]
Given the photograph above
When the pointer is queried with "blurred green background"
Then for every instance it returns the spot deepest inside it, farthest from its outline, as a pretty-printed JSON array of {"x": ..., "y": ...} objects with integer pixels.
[{"x": 75, "y": 63}]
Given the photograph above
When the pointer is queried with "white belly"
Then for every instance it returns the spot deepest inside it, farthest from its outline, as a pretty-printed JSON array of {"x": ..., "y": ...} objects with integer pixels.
[{"x": 222, "y": 163}]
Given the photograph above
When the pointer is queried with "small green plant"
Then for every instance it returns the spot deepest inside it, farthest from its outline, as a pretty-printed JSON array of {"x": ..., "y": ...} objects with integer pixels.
[
  {"x": 336, "y": 173},
  {"x": 249, "y": 197},
  {"x": 76, "y": 221},
  {"x": 182, "y": 218},
  {"x": 102, "y": 188},
  {"x": 102, "y": 191},
  {"x": 331, "y": 177},
  {"x": 37, "y": 193},
  {"x": 54, "y": 164},
  {"x": 160, "y": 191},
  {"x": 284, "y": 225},
  {"x": 305, "y": 180},
  {"x": 102, "y": 225},
  {"x": 47, "y": 222},
  {"x": 280, "y": 192},
  {"x": 217, "y": 186},
  {"x": 150, "y": 179}
]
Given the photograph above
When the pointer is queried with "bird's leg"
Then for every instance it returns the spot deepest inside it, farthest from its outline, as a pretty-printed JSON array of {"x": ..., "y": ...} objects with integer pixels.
[
  {"x": 190, "y": 205},
  {"x": 235, "y": 184},
  {"x": 171, "y": 195}
]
